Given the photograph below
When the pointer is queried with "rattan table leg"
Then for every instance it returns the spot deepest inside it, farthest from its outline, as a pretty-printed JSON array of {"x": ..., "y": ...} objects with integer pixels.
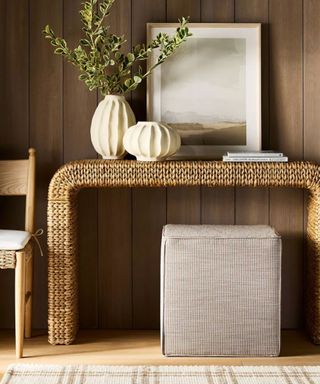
[
  {"x": 313, "y": 267},
  {"x": 62, "y": 272}
]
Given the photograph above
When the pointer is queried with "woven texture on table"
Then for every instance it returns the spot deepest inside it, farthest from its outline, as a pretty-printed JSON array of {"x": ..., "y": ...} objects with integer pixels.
[{"x": 62, "y": 218}]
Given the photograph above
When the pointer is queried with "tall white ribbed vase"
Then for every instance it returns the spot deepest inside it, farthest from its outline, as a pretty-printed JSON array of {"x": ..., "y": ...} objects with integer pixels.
[{"x": 110, "y": 122}]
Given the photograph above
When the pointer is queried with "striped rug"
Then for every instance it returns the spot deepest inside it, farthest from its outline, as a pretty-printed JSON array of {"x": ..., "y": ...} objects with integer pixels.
[{"x": 58, "y": 374}]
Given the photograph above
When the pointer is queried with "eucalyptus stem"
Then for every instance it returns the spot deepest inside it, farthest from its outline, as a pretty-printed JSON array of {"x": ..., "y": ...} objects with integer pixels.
[{"x": 99, "y": 55}]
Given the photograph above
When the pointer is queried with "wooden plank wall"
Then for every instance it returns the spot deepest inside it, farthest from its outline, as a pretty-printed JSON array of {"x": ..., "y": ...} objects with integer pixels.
[{"x": 43, "y": 104}]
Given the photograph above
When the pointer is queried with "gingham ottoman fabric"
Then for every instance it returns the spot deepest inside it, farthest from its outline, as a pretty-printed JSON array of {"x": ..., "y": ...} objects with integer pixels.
[{"x": 220, "y": 290}]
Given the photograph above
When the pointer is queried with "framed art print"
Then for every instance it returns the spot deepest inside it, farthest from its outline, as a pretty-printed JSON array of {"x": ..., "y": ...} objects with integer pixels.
[{"x": 209, "y": 89}]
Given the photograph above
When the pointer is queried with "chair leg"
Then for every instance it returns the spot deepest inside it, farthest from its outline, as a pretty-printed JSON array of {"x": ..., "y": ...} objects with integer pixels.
[
  {"x": 20, "y": 272},
  {"x": 28, "y": 296}
]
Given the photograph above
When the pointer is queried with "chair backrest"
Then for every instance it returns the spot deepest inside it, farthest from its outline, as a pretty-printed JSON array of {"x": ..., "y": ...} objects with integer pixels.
[{"x": 17, "y": 177}]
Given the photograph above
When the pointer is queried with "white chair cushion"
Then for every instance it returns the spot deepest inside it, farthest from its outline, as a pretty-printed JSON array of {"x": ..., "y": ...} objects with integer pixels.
[{"x": 11, "y": 240}]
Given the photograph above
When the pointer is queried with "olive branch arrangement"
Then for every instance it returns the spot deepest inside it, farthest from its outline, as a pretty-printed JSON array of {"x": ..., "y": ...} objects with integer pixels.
[{"x": 99, "y": 58}]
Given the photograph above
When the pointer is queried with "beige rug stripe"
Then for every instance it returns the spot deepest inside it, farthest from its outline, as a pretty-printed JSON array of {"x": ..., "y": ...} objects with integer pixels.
[{"x": 72, "y": 374}]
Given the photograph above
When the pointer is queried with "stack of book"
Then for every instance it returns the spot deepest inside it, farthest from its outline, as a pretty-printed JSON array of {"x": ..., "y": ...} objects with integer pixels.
[{"x": 259, "y": 156}]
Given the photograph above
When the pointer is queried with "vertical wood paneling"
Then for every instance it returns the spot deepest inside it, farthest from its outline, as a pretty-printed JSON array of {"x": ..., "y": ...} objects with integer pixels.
[
  {"x": 88, "y": 258},
  {"x": 120, "y": 231},
  {"x": 143, "y": 12},
  {"x": 115, "y": 267},
  {"x": 311, "y": 80},
  {"x": 217, "y": 204},
  {"x": 311, "y": 46},
  {"x": 46, "y": 127},
  {"x": 286, "y": 134},
  {"x": 149, "y": 205},
  {"x": 183, "y": 204},
  {"x": 14, "y": 80},
  {"x": 149, "y": 216},
  {"x": 252, "y": 205},
  {"x": 217, "y": 11},
  {"x": 2, "y": 42},
  {"x": 114, "y": 212},
  {"x": 76, "y": 127},
  {"x": 187, "y": 8},
  {"x": 14, "y": 126},
  {"x": 257, "y": 11}
]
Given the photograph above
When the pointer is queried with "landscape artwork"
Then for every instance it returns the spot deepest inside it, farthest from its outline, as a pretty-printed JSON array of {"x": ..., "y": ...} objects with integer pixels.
[
  {"x": 209, "y": 89},
  {"x": 205, "y": 100}
]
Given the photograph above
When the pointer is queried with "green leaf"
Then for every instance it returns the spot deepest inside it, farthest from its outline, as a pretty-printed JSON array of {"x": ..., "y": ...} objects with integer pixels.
[
  {"x": 102, "y": 7},
  {"x": 137, "y": 79},
  {"x": 85, "y": 42},
  {"x": 59, "y": 51},
  {"x": 130, "y": 57},
  {"x": 128, "y": 83},
  {"x": 136, "y": 49},
  {"x": 47, "y": 29},
  {"x": 117, "y": 55}
]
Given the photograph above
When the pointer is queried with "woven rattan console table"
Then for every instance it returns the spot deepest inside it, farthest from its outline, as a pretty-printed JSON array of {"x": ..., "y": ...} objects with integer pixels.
[{"x": 62, "y": 219}]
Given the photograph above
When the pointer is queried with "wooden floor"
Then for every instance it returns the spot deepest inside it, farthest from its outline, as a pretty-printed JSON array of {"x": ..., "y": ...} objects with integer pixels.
[{"x": 140, "y": 347}]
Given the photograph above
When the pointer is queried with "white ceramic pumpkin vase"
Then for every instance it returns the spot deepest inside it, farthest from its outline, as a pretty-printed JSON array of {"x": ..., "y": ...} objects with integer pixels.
[
  {"x": 151, "y": 141},
  {"x": 110, "y": 121}
]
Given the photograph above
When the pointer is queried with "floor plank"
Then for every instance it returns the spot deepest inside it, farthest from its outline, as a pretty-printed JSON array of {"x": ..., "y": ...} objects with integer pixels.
[{"x": 141, "y": 348}]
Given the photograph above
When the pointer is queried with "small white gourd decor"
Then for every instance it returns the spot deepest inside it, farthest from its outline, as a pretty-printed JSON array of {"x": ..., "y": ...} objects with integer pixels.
[{"x": 151, "y": 141}]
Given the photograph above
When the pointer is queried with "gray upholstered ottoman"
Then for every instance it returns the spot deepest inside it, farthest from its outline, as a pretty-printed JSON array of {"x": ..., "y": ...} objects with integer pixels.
[{"x": 220, "y": 293}]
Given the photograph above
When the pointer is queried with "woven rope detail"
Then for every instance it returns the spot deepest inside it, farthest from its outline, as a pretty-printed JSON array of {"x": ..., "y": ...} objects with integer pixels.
[
  {"x": 62, "y": 219},
  {"x": 125, "y": 173},
  {"x": 7, "y": 259}
]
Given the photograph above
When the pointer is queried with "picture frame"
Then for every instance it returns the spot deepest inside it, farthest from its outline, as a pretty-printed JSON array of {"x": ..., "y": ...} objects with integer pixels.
[{"x": 210, "y": 89}]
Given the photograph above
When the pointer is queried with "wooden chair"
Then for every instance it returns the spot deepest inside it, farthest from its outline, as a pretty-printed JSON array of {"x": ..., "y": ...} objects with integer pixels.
[{"x": 17, "y": 177}]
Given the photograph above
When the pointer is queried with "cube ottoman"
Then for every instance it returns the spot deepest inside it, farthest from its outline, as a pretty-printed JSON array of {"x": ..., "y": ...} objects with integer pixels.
[{"x": 220, "y": 290}]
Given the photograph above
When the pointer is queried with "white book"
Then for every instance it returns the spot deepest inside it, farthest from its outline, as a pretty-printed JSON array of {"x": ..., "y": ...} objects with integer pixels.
[
  {"x": 277, "y": 159},
  {"x": 255, "y": 154}
]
